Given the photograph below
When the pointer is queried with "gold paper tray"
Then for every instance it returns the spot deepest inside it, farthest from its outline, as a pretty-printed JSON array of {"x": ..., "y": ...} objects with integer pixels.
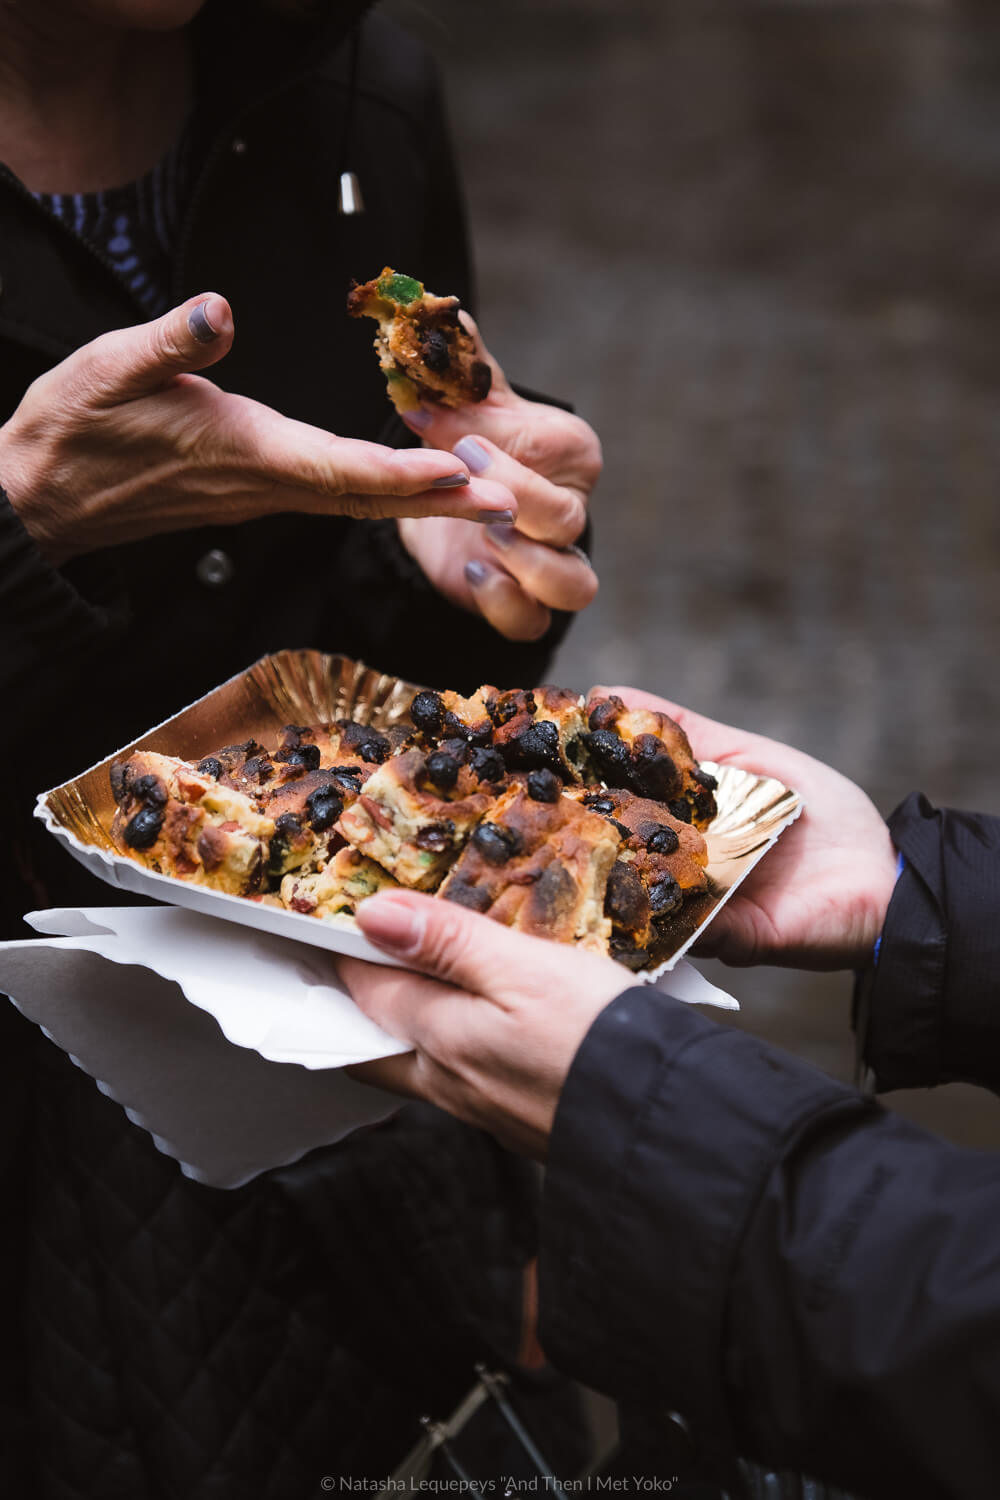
[{"x": 308, "y": 687}]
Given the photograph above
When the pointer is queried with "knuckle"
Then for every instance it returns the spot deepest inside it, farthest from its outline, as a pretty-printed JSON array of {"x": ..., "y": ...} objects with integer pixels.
[
  {"x": 397, "y": 474},
  {"x": 165, "y": 347},
  {"x": 590, "y": 455},
  {"x": 573, "y": 519},
  {"x": 562, "y": 521},
  {"x": 352, "y": 506},
  {"x": 529, "y": 625},
  {"x": 95, "y": 368},
  {"x": 584, "y": 587},
  {"x": 533, "y": 447}
]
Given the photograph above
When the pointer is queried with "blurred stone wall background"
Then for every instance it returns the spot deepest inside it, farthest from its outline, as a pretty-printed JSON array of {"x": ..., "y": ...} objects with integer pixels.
[{"x": 758, "y": 245}]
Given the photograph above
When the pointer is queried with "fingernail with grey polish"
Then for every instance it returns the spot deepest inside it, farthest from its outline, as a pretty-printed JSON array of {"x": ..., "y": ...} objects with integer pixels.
[
  {"x": 496, "y": 517},
  {"x": 476, "y": 573},
  {"x": 579, "y": 552},
  {"x": 502, "y": 535},
  {"x": 473, "y": 454},
  {"x": 200, "y": 326},
  {"x": 450, "y": 482},
  {"x": 419, "y": 419}
]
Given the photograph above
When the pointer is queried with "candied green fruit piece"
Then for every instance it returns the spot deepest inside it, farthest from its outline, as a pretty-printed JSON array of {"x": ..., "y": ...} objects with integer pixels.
[{"x": 399, "y": 288}]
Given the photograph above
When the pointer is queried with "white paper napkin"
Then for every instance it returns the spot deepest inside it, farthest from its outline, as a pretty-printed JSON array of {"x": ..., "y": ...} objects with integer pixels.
[{"x": 227, "y": 1045}]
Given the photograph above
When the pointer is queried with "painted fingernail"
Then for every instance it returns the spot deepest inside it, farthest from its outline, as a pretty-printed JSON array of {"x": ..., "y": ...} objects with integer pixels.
[
  {"x": 419, "y": 418},
  {"x": 476, "y": 573},
  {"x": 576, "y": 551},
  {"x": 496, "y": 517},
  {"x": 450, "y": 482},
  {"x": 392, "y": 925},
  {"x": 200, "y": 326},
  {"x": 473, "y": 454},
  {"x": 501, "y": 535}
]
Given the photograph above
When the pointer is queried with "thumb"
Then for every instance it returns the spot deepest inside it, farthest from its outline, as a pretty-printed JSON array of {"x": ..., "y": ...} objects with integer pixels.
[
  {"x": 132, "y": 362},
  {"x": 483, "y": 957}
]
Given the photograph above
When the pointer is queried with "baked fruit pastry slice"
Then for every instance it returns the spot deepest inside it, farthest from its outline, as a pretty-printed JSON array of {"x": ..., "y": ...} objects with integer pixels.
[
  {"x": 414, "y": 815},
  {"x": 423, "y": 349},
  {"x": 181, "y": 822},
  {"x": 543, "y": 728},
  {"x": 650, "y": 755},
  {"x": 662, "y": 861},
  {"x": 540, "y": 862},
  {"x": 444, "y": 716},
  {"x": 251, "y": 768},
  {"x": 333, "y": 892},
  {"x": 303, "y": 785},
  {"x": 305, "y": 813},
  {"x": 531, "y": 729}
]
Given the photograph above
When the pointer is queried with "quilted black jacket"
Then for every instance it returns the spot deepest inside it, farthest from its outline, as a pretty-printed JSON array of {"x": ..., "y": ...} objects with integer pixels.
[
  {"x": 186, "y": 1343},
  {"x": 797, "y": 1275},
  {"x": 161, "y": 1339}
]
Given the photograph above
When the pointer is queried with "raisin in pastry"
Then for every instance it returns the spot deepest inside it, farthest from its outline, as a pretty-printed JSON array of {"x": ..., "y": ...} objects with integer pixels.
[
  {"x": 540, "y": 729},
  {"x": 650, "y": 755}
]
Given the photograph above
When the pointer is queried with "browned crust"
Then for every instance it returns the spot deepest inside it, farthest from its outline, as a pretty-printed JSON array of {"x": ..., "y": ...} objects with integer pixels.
[
  {"x": 552, "y": 881},
  {"x": 413, "y": 826},
  {"x": 650, "y": 754},
  {"x": 424, "y": 341}
]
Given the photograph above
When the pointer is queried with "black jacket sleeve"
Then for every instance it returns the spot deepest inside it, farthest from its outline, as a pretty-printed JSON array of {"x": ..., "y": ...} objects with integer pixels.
[
  {"x": 807, "y": 1280},
  {"x": 49, "y": 619},
  {"x": 927, "y": 1012}
]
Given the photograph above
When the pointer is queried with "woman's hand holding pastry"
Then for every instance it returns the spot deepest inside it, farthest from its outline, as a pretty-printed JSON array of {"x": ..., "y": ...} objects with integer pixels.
[
  {"x": 818, "y": 899},
  {"x": 495, "y": 570},
  {"x": 512, "y": 574},
  {"x": 123, "y": 439},
  {"x": 495, "y": 1016}
]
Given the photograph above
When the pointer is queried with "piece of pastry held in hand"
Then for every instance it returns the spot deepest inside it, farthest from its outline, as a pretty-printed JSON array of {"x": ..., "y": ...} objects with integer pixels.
[{"x": 424, "y": 351}]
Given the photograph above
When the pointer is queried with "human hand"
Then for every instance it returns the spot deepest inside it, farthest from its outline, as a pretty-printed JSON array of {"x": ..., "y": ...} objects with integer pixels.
[
  {"x": 517, "y": 598},
  {"x": 123, "y": 440},
  {"x": 549, "y": 459},
  {"x": 495, "y": 1016},
  {"x": 819, "y": 897}
]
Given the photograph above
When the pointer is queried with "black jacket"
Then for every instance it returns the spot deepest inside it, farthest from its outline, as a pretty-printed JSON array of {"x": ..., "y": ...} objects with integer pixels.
[
  {"x": 99, "y": 650},
  {"x": 798, "y": 1275},
  {"x": 161, "y": 1339}
]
